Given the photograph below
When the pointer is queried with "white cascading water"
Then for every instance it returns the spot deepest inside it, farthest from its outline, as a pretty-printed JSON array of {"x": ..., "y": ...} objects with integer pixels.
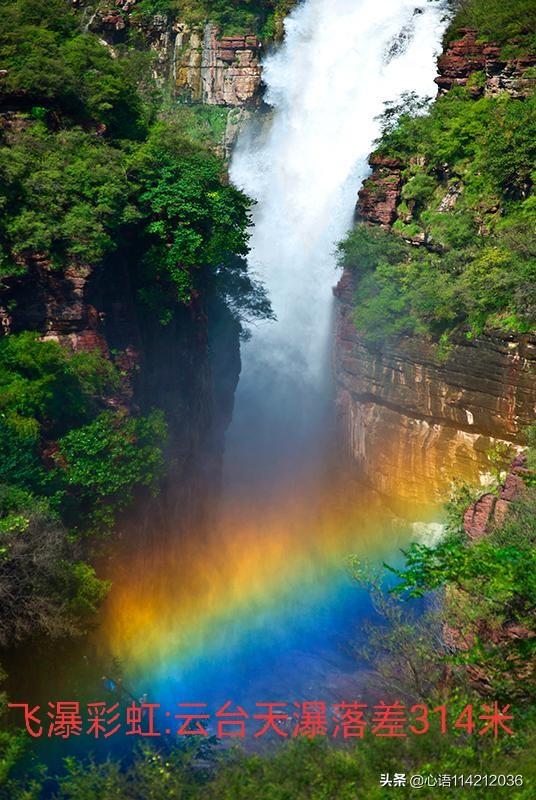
[
  {"x": 260, "y": 605},
  {"x": 341, "y": 60}
]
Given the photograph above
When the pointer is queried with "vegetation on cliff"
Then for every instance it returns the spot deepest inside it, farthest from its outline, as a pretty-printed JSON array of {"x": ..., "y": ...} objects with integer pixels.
[
  {"x": 68, "y": 465},
  {"x": 89, "y": 166},
  {"x": 461, "y": 255},
  {"x": 511, "y": 24},
  {"x": 264, "y": 17}
]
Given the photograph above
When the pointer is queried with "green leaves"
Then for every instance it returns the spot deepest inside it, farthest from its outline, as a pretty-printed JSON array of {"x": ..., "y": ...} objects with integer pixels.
[
  {"x": 43, "y": 385},
  {"x": 192, "y": 218},
  {"x": 105, "y": 461},
  {"x": 64, "y": 194},
  {"x": 466, "y": 199},
  {"x": 510, "y": 24},
  {"x": 50, "y": 60}
]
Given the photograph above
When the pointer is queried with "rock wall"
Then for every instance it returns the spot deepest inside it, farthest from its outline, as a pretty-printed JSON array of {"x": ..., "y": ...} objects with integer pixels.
[
  {"x": 214, "y": 70},
  {"x": 480, "y": 66},
  {"x": 380, "y": 194},
  {"x": 176, "y": 367},
  {"x": 198, "y": 64},
  {"x": 409, "y": 422},
  {"x": 195, "y": 64}
]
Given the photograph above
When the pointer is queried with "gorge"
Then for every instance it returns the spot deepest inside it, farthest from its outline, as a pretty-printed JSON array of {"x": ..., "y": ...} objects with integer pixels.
[
  {"x": 263, "y": 301},
  {"x": 280, "y": 535}
]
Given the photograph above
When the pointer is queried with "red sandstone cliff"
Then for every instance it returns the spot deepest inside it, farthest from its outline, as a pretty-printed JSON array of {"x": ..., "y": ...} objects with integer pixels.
[
  {"x": 467, "y": 56},
  {"x": 410, "y": 422}
]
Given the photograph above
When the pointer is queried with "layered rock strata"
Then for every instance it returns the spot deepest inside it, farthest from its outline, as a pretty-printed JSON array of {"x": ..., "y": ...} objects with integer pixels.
[
  {"x": 214, "y": 70},
  {"x": 410, "y": 422},
  {"x": 481, "y": 67}
]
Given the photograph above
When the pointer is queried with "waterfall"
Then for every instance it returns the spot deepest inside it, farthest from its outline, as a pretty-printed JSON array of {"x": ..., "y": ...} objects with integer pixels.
[
  {"x": 341, "y": 60},
  {"x": 260, "y": 604}
]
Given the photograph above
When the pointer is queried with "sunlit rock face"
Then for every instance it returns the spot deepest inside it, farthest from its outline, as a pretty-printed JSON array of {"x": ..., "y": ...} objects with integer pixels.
[
  {"x": 468, "y": 55},
  {"x": 410, "y": 423},
  {"x": 216, "y": 70},
  {"x": 200, "y": 65}
]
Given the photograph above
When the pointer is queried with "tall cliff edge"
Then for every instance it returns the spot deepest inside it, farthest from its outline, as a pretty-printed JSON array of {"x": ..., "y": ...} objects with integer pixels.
[{"x": 411, "y": 419}]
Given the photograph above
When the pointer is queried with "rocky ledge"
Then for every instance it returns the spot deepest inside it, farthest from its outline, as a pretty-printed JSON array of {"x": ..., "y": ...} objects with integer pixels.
[
  {"x": 380, "y": 194},
  {"x": 491, "y": 509},
  {"x": 481, "y": 67}
]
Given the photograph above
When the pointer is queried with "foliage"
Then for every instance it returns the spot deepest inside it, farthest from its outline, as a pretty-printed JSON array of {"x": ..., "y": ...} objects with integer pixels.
[
  {"x": 467, "y": 197},
  {"x": 191, "y": 217},
  {"x": 45, "y": 589},
  {"x": 86, "y": 176},
  {"x": 510, "y": 24},
  {"x": 198, "y": 123},
  {"x": 491, "y": 588},
  {"x": 48, "y": 60},
  {"x": 98, "y": 458},
  {"x": 12, "y": 745},
  {"x": 264, "y": 17},
  {"x": 366, "y": 246},
  {"x": 74, "y": 194},
  {"x": 44, "y": 385},
  {"x": 403, "y": 647},
  {"x": 44, "y": 393},
  {"x": 106, "y": 460},
  {"x": 63, "y": 197},
  {"x": 302, "y": 769},
  {"x": 244, "y": 297}
]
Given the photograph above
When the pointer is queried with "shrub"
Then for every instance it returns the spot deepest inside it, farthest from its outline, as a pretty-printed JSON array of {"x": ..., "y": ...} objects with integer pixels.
[
  {"x": 106, "y": 460},
  {"x": 45, "y": 588}
]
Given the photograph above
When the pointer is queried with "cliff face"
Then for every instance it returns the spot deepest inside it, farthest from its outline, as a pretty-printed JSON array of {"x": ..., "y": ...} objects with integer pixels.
[
  {"x": 410, "y": 423},
  {"x": 223, "y": 71},
  {"x": 480, "y": 66},
  {"x": 409, "y": 420},
  {"x": 176, "y": 367},
  {"x": 197, "y": 63}
]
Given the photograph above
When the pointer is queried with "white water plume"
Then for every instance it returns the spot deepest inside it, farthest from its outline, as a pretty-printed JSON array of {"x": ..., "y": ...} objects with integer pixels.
[{"x": 341, "y": 60}]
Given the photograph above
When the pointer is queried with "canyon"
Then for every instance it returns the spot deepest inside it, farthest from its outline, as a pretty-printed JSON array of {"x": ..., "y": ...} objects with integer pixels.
[
  {"x": 407, "y": 418},
  {"x": 244, "y": 474}
]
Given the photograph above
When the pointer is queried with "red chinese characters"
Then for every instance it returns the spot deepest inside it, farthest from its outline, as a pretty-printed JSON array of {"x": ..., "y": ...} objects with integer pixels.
[{"x": 64, "y": 719}]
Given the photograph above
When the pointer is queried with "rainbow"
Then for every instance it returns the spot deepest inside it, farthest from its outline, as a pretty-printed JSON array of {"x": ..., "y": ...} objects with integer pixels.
[{"x": 200, "y": 612}]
